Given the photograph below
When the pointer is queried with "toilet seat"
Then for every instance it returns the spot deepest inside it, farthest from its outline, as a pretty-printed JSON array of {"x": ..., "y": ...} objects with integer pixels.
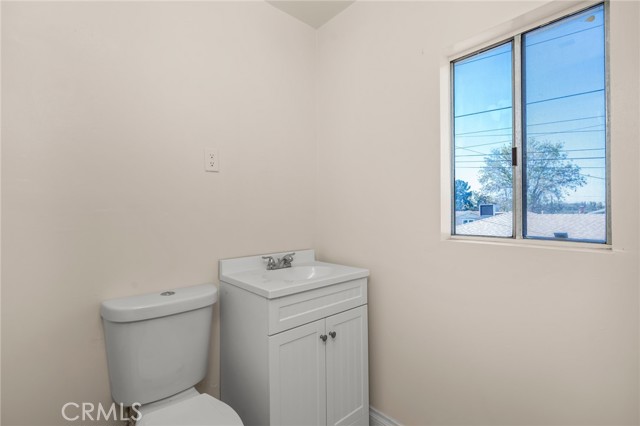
[{"x": 200, "y": 410}]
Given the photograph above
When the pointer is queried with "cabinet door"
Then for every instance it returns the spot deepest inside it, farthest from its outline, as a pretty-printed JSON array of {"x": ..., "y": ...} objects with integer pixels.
[
  {"x": 348, "y": 368},
  {"x": 297, "y": 376}
]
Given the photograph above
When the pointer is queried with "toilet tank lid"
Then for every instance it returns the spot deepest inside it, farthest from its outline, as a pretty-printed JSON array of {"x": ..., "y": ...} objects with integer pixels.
[{"x": 159, "y": 304}]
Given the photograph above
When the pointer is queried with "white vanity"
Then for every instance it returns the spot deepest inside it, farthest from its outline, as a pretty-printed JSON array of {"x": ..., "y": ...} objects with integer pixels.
[{"x": 293, "y": 341}]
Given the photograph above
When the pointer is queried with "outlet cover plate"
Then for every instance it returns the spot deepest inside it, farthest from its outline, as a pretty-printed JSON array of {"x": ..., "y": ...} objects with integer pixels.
[{"x": 211, "y": 160}]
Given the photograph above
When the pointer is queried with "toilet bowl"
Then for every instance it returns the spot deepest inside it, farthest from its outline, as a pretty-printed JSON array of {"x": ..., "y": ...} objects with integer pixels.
[
  {"x": 157, "y": 351},
  {"x": 188, "y": 408}
]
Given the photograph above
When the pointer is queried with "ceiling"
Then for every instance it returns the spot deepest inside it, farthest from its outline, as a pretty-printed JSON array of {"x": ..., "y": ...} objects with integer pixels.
[{"x": 314, "y": 12}]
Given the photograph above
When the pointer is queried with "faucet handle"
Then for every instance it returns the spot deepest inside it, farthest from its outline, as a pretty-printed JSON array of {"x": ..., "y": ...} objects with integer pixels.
[
  {"x": 271, "y": 262},
  {"x": 288, "y": 258}
]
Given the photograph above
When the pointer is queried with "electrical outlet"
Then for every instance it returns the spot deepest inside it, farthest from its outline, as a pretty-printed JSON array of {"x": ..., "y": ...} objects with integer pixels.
[{"x": 211, "y": 160}]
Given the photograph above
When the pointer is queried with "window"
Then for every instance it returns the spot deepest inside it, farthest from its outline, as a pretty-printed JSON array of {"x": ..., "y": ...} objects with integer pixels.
[{"x": 529, "y": 127}]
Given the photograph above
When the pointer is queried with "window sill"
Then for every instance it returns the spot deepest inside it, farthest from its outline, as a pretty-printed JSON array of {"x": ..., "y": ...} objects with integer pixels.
[{"x": 531, "y": 243}]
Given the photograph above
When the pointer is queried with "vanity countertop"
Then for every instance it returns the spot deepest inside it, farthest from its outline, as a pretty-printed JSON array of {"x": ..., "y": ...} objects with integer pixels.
[{"x": 305, "y": 273}]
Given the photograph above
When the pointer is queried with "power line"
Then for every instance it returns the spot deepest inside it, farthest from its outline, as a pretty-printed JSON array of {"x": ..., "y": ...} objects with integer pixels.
[
  {"x": 581, "y": 167},
  {"x": 483, "y": 144},
  {"x": 565, "y": 121},
  {"x": 561, "y": 36},
  {"x": 502, "y": 167},
  {"x": 507, "y": 161},
  {"x": 530, "y": 152},
  {"x": 529, "y": 160},
  {"x": 480, "y": 155},
  {"x": 482, "y": 131},
  {"x": 564, "y": 96},
  {"x": 575, "y": 128},
  {"x": 569, "y": 150},
  {"x": 473, "y": 150},
  {"x": 481, "y": 112},
  {"x": 477, "y": 161},
  {"x": 565, "y": 159},
  {"x": 543, "y": 133},
  {"x": 532, "y": 125},
  {"x": 486, "y": 136},
  {"x": 531, "y": 103},
  {"x": 593, "y": 177},
  {"x": 566, "y": 132}
]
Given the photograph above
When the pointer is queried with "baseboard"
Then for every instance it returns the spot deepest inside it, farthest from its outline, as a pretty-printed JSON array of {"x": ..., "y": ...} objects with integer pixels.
[{"x": 376, "y": 418}]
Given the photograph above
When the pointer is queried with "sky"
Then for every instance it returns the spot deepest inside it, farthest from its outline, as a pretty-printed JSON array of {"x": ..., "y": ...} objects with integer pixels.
[{"x": 564, "y": 80}]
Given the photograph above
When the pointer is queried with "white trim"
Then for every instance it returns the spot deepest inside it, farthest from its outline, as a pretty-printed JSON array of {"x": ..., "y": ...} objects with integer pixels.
[
  {"x": 377, "y": 418},
  {"x": 532, "y": 242},
  {"x": 446, "y": 158}
]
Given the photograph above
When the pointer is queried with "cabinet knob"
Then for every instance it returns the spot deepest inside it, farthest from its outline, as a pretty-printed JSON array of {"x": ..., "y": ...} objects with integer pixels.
[
  {"x": 323, "y": 337},
  {"x": 332, "y": 334}
]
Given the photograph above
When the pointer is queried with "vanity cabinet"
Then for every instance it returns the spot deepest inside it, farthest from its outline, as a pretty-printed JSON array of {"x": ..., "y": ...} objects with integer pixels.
[
  {"x": 319, "y": 372},
  {"x": 301, "y": 359}
]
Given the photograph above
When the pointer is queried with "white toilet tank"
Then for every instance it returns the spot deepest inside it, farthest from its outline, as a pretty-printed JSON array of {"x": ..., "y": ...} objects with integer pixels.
[{"x": 157, "y": 344}]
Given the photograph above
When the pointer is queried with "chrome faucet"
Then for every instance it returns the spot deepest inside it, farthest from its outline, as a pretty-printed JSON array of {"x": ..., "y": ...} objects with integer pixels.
[
  {"x": 283, "y": 262},
  {"x": 271, "y": 263}
]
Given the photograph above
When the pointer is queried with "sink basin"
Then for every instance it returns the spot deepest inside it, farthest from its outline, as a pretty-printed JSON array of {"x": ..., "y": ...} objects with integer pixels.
[
  {"x": 306, "y": 273},
  {"x": 298, "y": 273}
]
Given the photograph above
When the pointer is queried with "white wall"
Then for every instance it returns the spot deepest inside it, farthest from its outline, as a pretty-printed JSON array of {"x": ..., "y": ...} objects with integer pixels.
[
  {"x": 464, "y": 333},
  {"x": 106, "y": 111}
]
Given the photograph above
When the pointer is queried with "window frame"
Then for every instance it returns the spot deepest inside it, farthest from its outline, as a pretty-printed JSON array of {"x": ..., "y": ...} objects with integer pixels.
[{"x": 518, "y": 217}]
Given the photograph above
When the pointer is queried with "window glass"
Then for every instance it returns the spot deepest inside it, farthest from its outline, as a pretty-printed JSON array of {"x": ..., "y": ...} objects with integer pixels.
[
  {"x": 483, "y": 138},
  {"x": 564, "y": 138}
]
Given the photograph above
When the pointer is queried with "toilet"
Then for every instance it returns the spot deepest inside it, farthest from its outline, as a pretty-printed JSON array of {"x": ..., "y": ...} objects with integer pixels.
[{"x": 157, "y": 350}]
